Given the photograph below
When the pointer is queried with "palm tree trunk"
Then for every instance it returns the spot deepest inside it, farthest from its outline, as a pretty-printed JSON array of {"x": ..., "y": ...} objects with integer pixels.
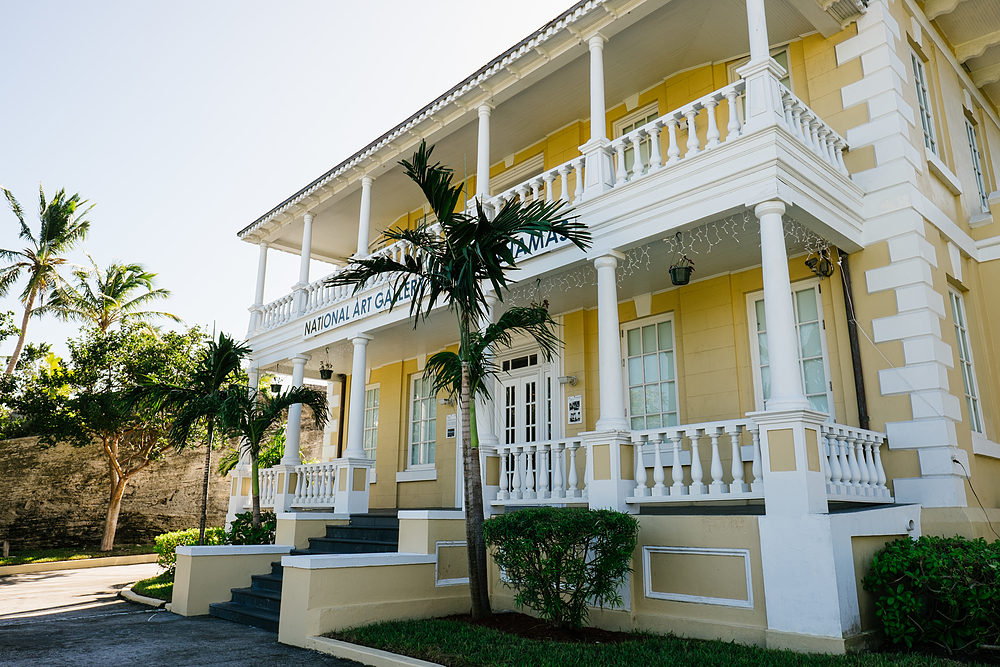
[
  {"x": 204, "y": 486},
  {"x": 24, "y": 332},
  {"x": 255, "y": 486},
  {"x": 475, "y": 544}
]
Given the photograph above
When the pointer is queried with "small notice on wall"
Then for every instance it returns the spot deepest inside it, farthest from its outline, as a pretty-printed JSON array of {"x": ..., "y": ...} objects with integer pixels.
[
  {"x": 450, "y": 425},
  {"x": 574, "y": 409}
]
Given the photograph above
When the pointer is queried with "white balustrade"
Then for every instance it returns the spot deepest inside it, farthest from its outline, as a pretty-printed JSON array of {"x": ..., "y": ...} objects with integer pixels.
[
  {"x": 812, "y": 131},
  {"x": 543, "y": 187},
  {"x": 268, "y": 484},
  {"x": 315, "y": 484},
  {"x": 664, "y": 448},
  {"x": 853, "y": 464},
  {"x": 539, "y": 473}
]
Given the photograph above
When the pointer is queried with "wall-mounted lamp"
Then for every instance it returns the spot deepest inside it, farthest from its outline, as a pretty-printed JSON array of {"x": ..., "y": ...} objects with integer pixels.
[
  {"x": 821, "y": 265},
  {"x": 446, "y": 401},
  {"x": 568, "y": 379}
]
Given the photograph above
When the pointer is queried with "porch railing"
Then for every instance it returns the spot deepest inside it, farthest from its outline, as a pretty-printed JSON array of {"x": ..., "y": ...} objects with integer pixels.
[
  {"x": 268, "y": 485},
  {"x": 664, "y": 448},
  {"x": 543, "y": 473},
  {"x": 315, "y": 485},
  {"x": 853, "y": 464}
]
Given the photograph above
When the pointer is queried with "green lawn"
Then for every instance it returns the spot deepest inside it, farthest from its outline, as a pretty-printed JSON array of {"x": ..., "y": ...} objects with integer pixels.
[
  {"x": 460, "y": 645},
  {"x": 52, "y": 555},
  {"x": 160, "y": 587}
]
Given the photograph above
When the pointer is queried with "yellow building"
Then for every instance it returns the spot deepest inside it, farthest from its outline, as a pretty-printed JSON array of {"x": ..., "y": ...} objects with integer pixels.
[{"x": 832, "y": 164}]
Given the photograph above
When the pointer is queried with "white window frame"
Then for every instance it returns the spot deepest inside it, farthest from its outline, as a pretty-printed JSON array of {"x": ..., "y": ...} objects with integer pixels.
[
  {"x": 924, "y": 107},
  {"x": 734, "y": 76},
  {"x": 620, "y": 125},
  {"x": 543, "y": 372},
  {"x": 977, "y": 165},
  {"x": 960, "y": 319},
  {"x": 371, "y": 452},
  {"x": 427, "y": 461},
  {"x": 638, "y": 324},
  {"x": 758, "y": 387}
]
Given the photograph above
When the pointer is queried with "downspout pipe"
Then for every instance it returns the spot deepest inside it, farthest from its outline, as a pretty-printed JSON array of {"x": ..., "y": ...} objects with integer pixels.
[
  {"x": 343, "y": 413},
  {"x": 852, "y": 334}
]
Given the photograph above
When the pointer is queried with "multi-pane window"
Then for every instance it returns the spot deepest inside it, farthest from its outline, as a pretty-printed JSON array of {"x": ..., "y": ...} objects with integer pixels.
[
  {"x": 423, "y": 421},
  {"x": 924, "y": 102},
  {"x": 371, "y": 422},
  {"x": 965, "y": 360},
  {"x": 813, "y": 363},
  {"x": 652, "y": 374},
  {"x": 631, "y": 123},
  {"x": 977, "y": 165}
]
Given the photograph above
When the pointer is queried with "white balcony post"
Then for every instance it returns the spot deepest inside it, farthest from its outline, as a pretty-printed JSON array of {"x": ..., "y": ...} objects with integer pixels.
[
  {"x": 364, "y": 220},
  {"x": 356, "y": 414},
  {"x": 609, "y": 346},
  {"x": 258, "y": 296},
  {"x": 483, "y": 154},
  {"x": 599, "y": 172},
  {"x": 294, "y": 427},
  {"x": 782, "y": 343},
  {"x": 762, "y": 74},
  {"x": 304, "y": 258},
  {"x": 486, "y": 429}
]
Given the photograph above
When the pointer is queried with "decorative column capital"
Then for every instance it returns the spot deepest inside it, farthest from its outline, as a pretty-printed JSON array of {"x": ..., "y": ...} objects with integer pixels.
[
  {"x": 263, "y": 245},
  {"x": 366, "y": 180},
  {"x": 775, "y": 207},
  {"x": 308, "y": 217},
  {"x": 362, "y": 340},
  {"x": 301, "y": 359},
  {"x": 608, "y": 260},
  {"x": 596, "y": 41},
  {"x": 484, "y": 110}
]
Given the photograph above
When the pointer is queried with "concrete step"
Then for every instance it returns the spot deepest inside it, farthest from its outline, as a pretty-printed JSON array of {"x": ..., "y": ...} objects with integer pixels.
[
  {"x": 258, "y": 599},
  {"x": 266, "y": 582},
  {"x": 341, "y": 545},
  {"x": 258, "y": 618},
  {"x": 374, "y": 533}
]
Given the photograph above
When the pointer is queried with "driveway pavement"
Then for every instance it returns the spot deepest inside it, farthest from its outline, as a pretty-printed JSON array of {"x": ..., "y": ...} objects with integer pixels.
[{"x": 74, "y": 617}]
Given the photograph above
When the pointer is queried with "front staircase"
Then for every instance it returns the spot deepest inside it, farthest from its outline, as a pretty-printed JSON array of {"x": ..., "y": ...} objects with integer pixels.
[{"x": 260, "y": 605}]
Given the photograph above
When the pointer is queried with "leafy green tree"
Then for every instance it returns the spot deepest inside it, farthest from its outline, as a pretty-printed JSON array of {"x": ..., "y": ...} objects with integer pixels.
[
  {"x": 254, "y": 416},
  {"x": 62, "y": 227},
  {"x": 81, "y": 403},
  {"x": 452, "y": 267},
  {"x": 196, "y": 400},
  {"x": 117, "y": 295}
]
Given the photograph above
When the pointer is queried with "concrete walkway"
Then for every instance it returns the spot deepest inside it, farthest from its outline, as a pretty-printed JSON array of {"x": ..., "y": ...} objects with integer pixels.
[{"x": 74, "y": 617}]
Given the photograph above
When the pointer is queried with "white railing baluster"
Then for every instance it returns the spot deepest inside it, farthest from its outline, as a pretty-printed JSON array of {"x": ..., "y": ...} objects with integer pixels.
[
  {"x": 655, "y": 160},
  {"x": 572, "y": 491},
  {"x": 558, "y": 465},
  {"x": 717, "y": 484},
  {"x": 621, "y": 174},
  {"x": 516, "y": 491},
  {"x": 673, "y": 150},
  {"x": 677, "y": 469},
  {"x": 738, "y": 486},
  {"x": 640, "y": 466},
  {"x": 697, "y": 473},
  {"x": 734, "y": 120},
  {"x": 542, "y": 463},
  {"x": 756, "y": 468},
  {"x": 659, "y": 488},
  {"x": 877, "y": 445},
  {"x": 859, "y": 455},
  {"x": 548, "y": 178},
  {"x": 693, "y": 143},
  {"x": 712, "y": 138},
  {"x": 504, "y": 492},
  {"x": 578, "y": 171},
  {"x": 564, "y": 182}
]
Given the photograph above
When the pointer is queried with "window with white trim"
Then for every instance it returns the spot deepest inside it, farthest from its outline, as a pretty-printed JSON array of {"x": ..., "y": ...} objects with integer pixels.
[
  {"x": 810, "y": 333},
  {"x": 423, "y": 421},
  {"x": 633, "y": 121},
  {"x": 924, "y": 102},
  {"x": 371, "y": 421},
  {"x": 780, "y": 56},
  {"x": 650, "y": 372},
  {"x": 965, "y": 361},
  {"x": 977, "y": 165}
]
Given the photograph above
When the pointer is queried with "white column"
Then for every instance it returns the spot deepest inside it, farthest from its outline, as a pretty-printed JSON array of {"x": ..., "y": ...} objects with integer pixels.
[
  {"x": 258, "y": 296},
  {"x": 757, "y": 27},
  {"x": 293, "y": 429},
  {"x": 599, "y": 174},
  {"x": 609, "y": 346},
  {"x": 782, "y": 344},
  {"x": 304, "y": 258},
  {"x": 356, "y": 414},
  {"x": 364, "y": 221},
  {"x": 762, "y": 74},
  {"x": 486, "y": 408},
  {"x": 483, "y": 154}
]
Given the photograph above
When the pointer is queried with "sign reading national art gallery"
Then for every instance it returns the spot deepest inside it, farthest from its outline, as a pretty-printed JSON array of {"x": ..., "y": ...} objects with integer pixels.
[{"x": 370, "y": 304}]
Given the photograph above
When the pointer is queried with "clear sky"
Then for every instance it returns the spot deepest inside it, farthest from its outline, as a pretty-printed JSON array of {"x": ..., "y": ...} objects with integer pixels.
[{"x": 184, "y": 121}]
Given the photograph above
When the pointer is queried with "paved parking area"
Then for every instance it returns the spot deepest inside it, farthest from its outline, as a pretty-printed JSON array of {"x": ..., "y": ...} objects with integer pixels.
[{"x": 74, "y": 617}]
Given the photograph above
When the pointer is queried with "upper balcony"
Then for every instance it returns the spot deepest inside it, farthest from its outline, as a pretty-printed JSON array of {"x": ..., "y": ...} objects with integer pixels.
[{"x": 695, "y": 159}]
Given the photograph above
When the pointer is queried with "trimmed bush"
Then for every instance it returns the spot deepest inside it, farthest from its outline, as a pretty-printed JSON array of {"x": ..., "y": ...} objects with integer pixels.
[
  {"x": 941, "y": 592},
  {"x": 560, "y": 560},
  {"x": 168, "y": 542},
  {"x": 243, "y": 532}
]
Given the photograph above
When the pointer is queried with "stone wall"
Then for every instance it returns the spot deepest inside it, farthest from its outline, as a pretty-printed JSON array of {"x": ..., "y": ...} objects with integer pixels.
[{"x": 58, "y": 496}]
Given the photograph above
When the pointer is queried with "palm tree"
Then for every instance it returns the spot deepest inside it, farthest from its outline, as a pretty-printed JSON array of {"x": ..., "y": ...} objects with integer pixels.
[
  {"x": 452, "y": 267},
  {"x": 199, "y": 401},
  {"x": 112, "y": 298},
  {"x": 62, "y": 227},
  {"x": 254, "y": 416}
]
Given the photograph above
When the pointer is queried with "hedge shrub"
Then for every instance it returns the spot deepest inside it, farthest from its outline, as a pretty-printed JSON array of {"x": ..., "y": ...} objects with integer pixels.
[
  {"x": 166, "y": 543},
  {"x": 243, "y": 532},
  {"x": 942, "y": 592},
  {"x": 560, "y": 560}
]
